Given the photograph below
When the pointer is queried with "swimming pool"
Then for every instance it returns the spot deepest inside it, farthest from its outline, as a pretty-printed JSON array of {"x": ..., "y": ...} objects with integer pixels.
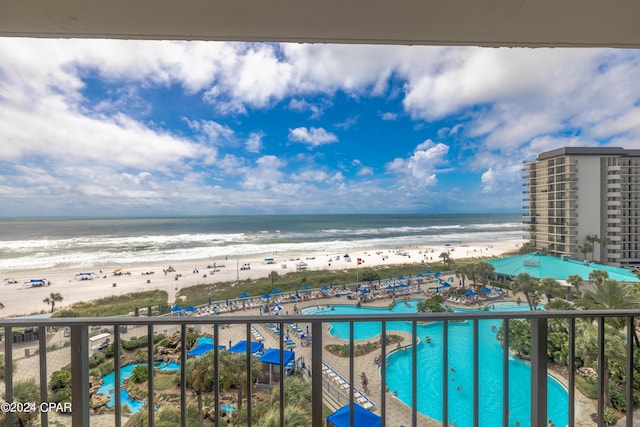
[
  {"x": 107, "y": 387},
  {"x": 430, "y": 369}
]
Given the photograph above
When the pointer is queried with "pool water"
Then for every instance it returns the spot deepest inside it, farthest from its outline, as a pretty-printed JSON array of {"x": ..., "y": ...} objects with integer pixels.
[
  {"x": 107, "y": 387},
  {"x": 430, "y": 369}
]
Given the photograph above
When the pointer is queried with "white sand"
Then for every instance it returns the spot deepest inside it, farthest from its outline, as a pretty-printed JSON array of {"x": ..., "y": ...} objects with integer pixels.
[{"x": 21, "y": 299}]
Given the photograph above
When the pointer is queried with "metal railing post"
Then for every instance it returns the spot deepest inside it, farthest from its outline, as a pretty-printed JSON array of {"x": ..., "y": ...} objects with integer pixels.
[
  {"x": 116, "y": 375},
  {"x": 42, "y": 350},
  {"x": 151, "y": 406},
  {"x": 8, "y": 371},
  {"x": 539, "y": 372},
  {"x": 316, "y": 373},
  {"x": 79, "y": 378},
  {"x": 183, "y": 375},
  {"x": 601, "y": 371},
  {"x": 505, "y": 373}
]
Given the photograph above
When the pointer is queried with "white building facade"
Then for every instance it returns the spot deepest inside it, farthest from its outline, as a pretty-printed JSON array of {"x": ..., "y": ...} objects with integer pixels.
[{"x": 574, "y": 192}]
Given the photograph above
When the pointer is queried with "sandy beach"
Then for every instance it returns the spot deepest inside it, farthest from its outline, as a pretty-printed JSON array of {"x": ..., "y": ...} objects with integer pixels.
[{"x": 21, "y": 298}]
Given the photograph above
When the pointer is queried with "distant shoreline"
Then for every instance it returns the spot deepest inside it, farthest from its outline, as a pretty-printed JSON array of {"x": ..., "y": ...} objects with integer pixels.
[{"x": 21, "y": 299}]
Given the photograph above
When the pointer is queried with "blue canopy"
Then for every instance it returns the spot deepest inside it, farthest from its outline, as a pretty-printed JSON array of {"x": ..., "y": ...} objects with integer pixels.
[
  {"x": 275, "y": 291},
  {"x": 470, "y": 294},
  {"x": 241, "y": 347},
  {"x": 244, "y": 295},
  {"x": 445, "y": 284},
  {"x": 361, "y": 417},
  {"x": 365, "y": 291},
  {"x": 176, "y": 308},
  {"x": 347, "y": 256},
  {"x": 427, "y": 271},
  {"x": 400, "y": 277},
  {"x": 485, "y": 290},
  {"x": 389, "y": 288},
  {"x": 190, "y": 308},
  {"x": 272, "y": 356},
  {"x": 200, "y": 350},
  {"x": 419, "y": 275},
  {"x": 324, "y": 288},
  {"x": 304, "y": 287},
  {"x": 437, "y": 273},
  {"x": 266, "y": 296}
]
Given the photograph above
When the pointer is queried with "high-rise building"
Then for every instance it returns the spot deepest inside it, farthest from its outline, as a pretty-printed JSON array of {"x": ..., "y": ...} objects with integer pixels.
[{"x": 582, "y": 197}]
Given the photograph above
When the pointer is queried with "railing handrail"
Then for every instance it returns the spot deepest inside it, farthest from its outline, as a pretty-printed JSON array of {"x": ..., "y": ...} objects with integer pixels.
[{"x": 311, "y": 318}]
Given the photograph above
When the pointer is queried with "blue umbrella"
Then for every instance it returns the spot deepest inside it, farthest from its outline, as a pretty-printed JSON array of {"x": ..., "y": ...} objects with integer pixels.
[
  {"x": 445, "y": 284},
  {"x": 304, "y": 287},
  {"x": 365, "y": 291},
  {"x": 266, "y": 296},
  {"x": 324, "y": 288},
  {"x": 389, "y": 288},
  {"x": 438, "y": 273},
  {"x": 275, "y": 291},
  {"x": 244, "y": 295},
  {"x": 190, "y": 308},
  {"x": 400, "y": 277},
  {"x": 427, "y": 271},
  {"x": 470, "y": 294},
  {"x": 402, "y": 285},
  {"x": 419, "y": 275},
  {"x": 176, "y": 308},
  {"x": 347, "y": 256},
  {"x": 485, "y": 290}
]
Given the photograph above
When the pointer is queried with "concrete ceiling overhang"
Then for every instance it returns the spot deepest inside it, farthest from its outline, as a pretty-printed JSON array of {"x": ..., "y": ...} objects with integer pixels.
[{"x": 613, "y": 23}]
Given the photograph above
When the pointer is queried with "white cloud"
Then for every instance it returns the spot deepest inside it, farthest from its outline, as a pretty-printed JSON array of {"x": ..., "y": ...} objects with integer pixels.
[
  {"x": 312, "y": 136},
  {"x": 389, "y": 116},
  {"x": 254, "y": 142},
  {"x": 422, "y": 166}
]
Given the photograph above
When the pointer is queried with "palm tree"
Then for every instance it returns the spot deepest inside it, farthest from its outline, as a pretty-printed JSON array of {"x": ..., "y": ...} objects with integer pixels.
[
  {"x": 551, "y": 288},
  {"x": 200, "y": 378},
  {"x": 484, "y": 270},
  {"x": 527, "y": 285},
  {"x": 274, "y": 277},
  {"x": 610, "y": 295},
  {"x": 592, "y": 239},
  {"x": 462, "y": 271},
  {"x": 598, "y": 276},
  {"x": 52, "y": 299},
  {"x": 585, "y": 249},
  {"x": 604, "y": 241},
  {"x": 446, "y": 258},
  {"x": 234, "y": 366},
  {"x": 576, "y": 281}
]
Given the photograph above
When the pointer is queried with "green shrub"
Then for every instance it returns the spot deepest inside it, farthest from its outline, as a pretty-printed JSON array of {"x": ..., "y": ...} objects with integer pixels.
[
  {"x": 96, "y": 359},
  {"x": 163, "y": 342},
  {"x": 587, "y": 386},
  {"x": 106, "y": 368},
  {"x": 110, "y": 351},
  {"x": 140, "y": 374},
  {"x": 141, "y": 356},
  {"x": 130, "y": 344}
]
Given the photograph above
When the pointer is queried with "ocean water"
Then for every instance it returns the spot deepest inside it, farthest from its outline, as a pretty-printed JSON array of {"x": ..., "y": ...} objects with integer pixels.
[{"x": 29, "y": 243}]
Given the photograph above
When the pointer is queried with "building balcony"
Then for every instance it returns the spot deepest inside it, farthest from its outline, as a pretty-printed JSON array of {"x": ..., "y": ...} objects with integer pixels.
[{"x": 331, "y": 378}]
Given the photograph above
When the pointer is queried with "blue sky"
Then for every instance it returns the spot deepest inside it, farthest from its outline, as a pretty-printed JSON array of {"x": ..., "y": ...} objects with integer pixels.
[{"x": 101, "y": 127}]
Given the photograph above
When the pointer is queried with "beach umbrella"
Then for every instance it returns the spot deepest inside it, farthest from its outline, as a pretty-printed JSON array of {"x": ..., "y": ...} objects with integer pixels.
[
  {"x": 244, "y": 295},
  {"x": 176, "y": 308},
  {"x": 275, "y": 291},
  {"x": 304, "y": 287},
  {"x": 427, "y": 271},
  {"x": 276, "y": 308},
  {"x": 437, "y": 273},
  {"x": 447, "y": 245},
  {"x": 266, "y": 296},
  {"x": 445, "y": 284},
  {"x": 400, "y": 277},
  {"x": 365, "y": 291},
  {"x": 324, "y": 288},
  {"x": 389, "y": 288},
  {"x": 347, "y": 256},
  {"x": 420, "y": 275},
  {"x": 190, "y": 308},
  {"x": 485, "y": 290},
  {"x": 402, "y": 285},
  {"x": 470, "y": 294}
]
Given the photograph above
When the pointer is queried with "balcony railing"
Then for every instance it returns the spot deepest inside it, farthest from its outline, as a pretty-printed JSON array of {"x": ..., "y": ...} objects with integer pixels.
[{"x": 79, "y": 350}]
